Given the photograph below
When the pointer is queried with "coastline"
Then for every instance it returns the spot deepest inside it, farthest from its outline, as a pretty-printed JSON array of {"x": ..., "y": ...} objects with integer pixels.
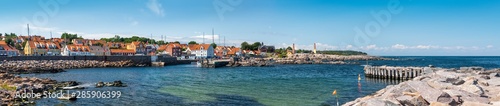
[
  {"x": 13, "y": 85},
  {"x": 371, "y": 97},
  {"x": 302, "y": 59},
  {"x": 441, "y": 88},
  {"x": 54, "y": 66}
]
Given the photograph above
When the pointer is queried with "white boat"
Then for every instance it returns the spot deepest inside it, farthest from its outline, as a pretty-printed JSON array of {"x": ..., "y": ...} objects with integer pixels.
[
  {"x": 198, "y": 64},
  {"x": 73, "y": 87}
]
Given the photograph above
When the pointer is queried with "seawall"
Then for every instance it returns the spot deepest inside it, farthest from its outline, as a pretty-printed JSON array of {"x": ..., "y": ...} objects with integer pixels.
[
  {"x": 133, "y": 59},
  {"x": 43, "y": 64}
]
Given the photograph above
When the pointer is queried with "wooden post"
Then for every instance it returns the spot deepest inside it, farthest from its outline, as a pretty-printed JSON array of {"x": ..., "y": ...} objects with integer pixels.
[{"x": 399, "y": 74}]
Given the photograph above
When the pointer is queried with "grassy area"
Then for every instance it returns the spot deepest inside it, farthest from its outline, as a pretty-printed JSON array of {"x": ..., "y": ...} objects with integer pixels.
[
  {"x": 342, "y": 52},
  {"x": 7, "y": 87}
]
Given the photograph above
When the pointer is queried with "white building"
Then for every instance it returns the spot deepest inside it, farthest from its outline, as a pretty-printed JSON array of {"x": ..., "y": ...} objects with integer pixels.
[
  {"x": 76, "y": 50},
  {"x": 202, "y": 51}
]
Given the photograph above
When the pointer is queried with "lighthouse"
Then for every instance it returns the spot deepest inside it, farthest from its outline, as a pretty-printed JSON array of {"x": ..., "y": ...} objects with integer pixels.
[{"x": 314, "y": 50}]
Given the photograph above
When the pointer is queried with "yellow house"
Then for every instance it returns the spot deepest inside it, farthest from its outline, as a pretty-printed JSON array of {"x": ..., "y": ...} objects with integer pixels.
[
  {"x": 42, "y": 48},
  {"x": 138, "y": 47}
]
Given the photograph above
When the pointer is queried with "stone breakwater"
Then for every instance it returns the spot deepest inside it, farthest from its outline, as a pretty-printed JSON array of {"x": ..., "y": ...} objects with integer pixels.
[
  {"x": 244, "y": 62},
  {"x": 325, "y": 59},
  {"x": 302, "y": 59},
  {"x": 42, "y": 66},
  {"x": 446, "y": 87}
]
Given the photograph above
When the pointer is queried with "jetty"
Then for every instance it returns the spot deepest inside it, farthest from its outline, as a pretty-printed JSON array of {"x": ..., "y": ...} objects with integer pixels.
[
  {"x": 206, "y": 63},
  {"x": 398, "y": 73}
]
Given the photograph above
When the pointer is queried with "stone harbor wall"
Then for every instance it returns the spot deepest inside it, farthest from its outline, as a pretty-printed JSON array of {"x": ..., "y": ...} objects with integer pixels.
[
  {"x": 133, "y": 59},
  {"x": 173, "y": 60},
  {"x": 440, "y": 88},
  {"x": 44, "y": 64},
  {"x": 53, "y": 66}
]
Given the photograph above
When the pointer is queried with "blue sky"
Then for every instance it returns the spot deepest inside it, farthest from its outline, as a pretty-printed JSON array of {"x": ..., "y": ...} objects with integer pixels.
[{"x": 415, "y": 27}]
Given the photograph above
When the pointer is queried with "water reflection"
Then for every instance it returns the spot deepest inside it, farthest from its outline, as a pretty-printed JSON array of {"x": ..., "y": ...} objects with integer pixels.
[{"x": 383, "y": 81}]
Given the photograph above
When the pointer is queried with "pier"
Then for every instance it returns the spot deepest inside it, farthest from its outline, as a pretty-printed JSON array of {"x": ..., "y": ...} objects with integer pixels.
[
  {"x": 208, "y": 63},
  {"x": 399, "y": 73}
]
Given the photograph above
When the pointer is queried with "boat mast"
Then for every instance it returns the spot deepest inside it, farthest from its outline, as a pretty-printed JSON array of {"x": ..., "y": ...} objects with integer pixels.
[{"x": 213, "y": 40}]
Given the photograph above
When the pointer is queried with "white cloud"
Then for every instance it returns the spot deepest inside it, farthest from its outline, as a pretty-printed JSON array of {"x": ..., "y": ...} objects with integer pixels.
[
  {"x": 489, "y": 46},
  {"x": 399, "y": 46},
  {"x": 319, "y": 46},
  {"x": 207, "y": 37},
  {"x": 423, "y": 47},
  {"x": 349, "y": 47},
  {"x": 40, "y": 29},
  {"x": 155, "y": 7},
  {"x": 371, "y": 47}
]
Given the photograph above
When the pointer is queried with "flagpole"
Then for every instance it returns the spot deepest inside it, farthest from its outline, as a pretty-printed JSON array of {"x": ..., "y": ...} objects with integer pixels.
[
  {"x": 336, "y": 96},
  {"x": 337, "y": 100}
]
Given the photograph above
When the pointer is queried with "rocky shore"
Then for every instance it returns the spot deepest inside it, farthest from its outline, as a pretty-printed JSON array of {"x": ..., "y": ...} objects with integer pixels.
[
  {"x": 302, "y": 59},
  {"x": 10, "y": 84},
  {"x": 440, "y": 88},
  {"x": 43, "y": 66},
  {"x": 325, "y": 59},
  {"x": 245, "y": 62}
]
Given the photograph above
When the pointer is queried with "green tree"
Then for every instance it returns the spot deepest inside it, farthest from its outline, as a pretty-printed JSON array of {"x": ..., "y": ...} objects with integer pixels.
[
  {"x": 256, "y": 45},
  {"x": 161, "y": 42},
  {"x": 19, "y": 47},
  {"x": 245, "y": 46},
  {"x": 70, "y": 37},
  {"x": 177, "y": 42},
  {"x": 213, "y": 45},
  {"x": 9, "y": 42},
  {"x": 192, "y": 42},
  {"x": 300, "y": 51},
  {"x": 13, "y": 35},
  {"x": 24, "y": 44}
]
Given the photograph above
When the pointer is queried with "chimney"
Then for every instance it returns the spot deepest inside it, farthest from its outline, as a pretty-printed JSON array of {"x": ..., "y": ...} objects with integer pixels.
[{"x": 293, "y": 48}]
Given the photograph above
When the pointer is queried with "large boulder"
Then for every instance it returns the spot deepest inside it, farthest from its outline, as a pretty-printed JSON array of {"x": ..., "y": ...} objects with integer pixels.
[
  {"x": 446, "y": 98},
  {"x": 378, "y": 102},
  {"x": 497, "y": 103},
  {"x": 412, "y": 101},
  {"x": 472, "y": 103},
  {"x": 494, "y": 75},
  {"x": 430, "y": 94},
  {"x": 475, "y": 89},
  {"x": 439, "y": 85},
  {"x": 438, "y": 104},
  {"x": 100, "y": 84},
  {"x": 466, "y": 96}
]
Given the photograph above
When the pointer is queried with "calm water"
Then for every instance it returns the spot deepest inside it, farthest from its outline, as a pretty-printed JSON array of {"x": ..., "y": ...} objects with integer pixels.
[{"x": 279, "y": 85}]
